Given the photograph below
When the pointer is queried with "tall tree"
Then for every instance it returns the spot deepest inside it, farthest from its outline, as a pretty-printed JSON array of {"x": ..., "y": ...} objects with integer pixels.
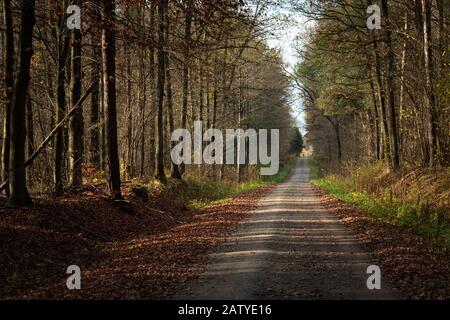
[
  {"x": 109, "y": 93},
  {"x": 390, "y": 87},
  {"x": 187, "y": 56},
  {"x": 159, "y": 154},
  {"x": 8, "y": 56},
  {"x": 62, "y": 53},
  {"x": 17, "y": 179},
  {"x": 76, "y": 122},
  {"x": 430, "y": 96},
  {"x": 94, "y": 136}
]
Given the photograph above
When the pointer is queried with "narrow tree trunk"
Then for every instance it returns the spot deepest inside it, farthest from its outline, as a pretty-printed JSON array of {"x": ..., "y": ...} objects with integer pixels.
[
  {"x": 30, "y": 126},
  {"x": 94, "y": 141},
  {"x": 376, "y": 121},
  {"x": 17, "y": 178},
  {"x": 187, "y": 54},
  {"x": 76, "y": 123},
  {"x": 429, "y": 79},
  {"x": 8, "y": 64},
  {"x": 109, "y": 88},
  {"x": 129, "y": 158},
  {"x": 143, "y": 100},
  {"x": 175, "y": 172},
  {"x": 402, "y": 84},
  {"x": 208, "y": 101},
  {"x": 337, "y": 130},
  {"x": 152, "y": 78},
  {"x": 390, "y": 89},
  {"x": 63, "y": 49},
  {"x": 159, "y": 155},
  {"x": 224, "y": 105}
]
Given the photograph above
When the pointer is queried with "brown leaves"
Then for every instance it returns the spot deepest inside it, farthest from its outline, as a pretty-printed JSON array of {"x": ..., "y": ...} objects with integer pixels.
[
  {"x": 150, "y": 253},
  {"x": 414, "y": 266}
]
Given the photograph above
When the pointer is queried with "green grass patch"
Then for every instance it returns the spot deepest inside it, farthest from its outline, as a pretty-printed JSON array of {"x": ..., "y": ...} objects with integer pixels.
[
  {"x": 425, "y": 221},
  {"x": 202, "y": 192},
  {"x": 314, "y": 171},
  {"x": 282, "y": 174}
]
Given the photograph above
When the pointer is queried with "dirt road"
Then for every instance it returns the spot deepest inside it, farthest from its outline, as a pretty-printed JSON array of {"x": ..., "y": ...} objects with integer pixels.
[{"x": 289, "y": 248}]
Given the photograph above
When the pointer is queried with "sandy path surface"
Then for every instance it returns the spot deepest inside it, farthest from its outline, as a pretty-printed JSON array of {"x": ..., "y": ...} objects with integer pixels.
[{"x": 289, "y": 248}]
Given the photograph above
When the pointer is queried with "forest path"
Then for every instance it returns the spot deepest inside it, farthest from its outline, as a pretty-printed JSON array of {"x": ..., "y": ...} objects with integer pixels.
[{"x": 289, "y": 248}]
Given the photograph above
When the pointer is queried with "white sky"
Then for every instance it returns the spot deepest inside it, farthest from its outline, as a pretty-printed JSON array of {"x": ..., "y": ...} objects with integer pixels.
[{"x": 287, "y": 37}]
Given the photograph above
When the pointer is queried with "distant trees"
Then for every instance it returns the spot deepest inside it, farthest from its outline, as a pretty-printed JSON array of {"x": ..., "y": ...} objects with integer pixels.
[
  {"x": 17, "y": 181},
  {"x": 109, "y": 97},
  {"x": 76, "y": 130},
  {"x": 380, "y": 86},
  {"x": 62, "y": 50},
  {"x": 8, "y": 69},
  {"x": 296, "y": 142},
  {"x": 105, "y": 99}
]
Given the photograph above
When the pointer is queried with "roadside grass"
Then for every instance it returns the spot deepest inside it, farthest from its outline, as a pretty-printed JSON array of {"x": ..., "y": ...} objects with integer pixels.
[
  {"x": 205, "y": 192},
  {"x": 314, "y": 171},
  {"x": 200, "y": 191},
  {"x": 283, "y": 173},
  {"x": 396, "y": 199}
]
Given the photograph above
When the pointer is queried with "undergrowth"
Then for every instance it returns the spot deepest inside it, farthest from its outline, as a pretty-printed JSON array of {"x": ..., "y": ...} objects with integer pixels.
[
  {"x": 199, "y": 191},
  {"x": 414, "y": 199}
]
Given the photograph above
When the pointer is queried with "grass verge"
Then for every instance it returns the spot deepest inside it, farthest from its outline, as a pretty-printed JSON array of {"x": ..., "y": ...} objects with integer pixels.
[
  {"x": 200, "y": 192},
  {"x": 425, "y": 220}
]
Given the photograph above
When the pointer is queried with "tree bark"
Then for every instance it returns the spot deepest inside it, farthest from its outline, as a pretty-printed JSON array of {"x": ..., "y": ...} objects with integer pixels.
[
  {"x": 8, "y": 62},
  {"x": 30, "y": 126},
  {"x": 129, "y": 159},
  {"x": 187, "y": 56},
  {"x": 159, "y": 154},
  {"x": 76, "y": 123},
  {"x": 109, "y": 92},
  {"x": 63, "y": 49},
  {"x": 390, "y": 89},
  {"x": 429, "y": 80},
  {"x": 175, "y": 172},
  {"x": 17, "y": 178},
  {"x": 94, "y": 119}
]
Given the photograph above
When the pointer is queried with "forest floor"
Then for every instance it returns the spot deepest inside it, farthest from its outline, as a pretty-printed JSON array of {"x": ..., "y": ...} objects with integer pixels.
[
  {"x": 292, "y": 248},
  {"x": 301, "y": 243},
  {"x": 133, "y": 249},
  {"x": 417, "y": 267},
  {"x": 291, "y": 241}
]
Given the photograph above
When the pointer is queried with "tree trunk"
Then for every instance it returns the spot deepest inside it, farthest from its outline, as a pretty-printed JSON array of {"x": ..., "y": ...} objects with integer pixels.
[
  {"x": 429, "y": 80},
  {"x": 143, "y": 100},
  {"x": 76, "y": 123},
  {"x": 175, "y": 172},
  {"x": 129, "y": 158},
  {"x": 159, "y": 155},
  {"x": 63, "y": 49},
  {"x": 402, "y": 84},
  {"x": 94, "y": 119},
  {"x": 376, "y": 122},
  {"x": 187, "y": 54},
  {"x": 390, "y": 89},
  {"x": 17, "y": 178},
  {"x": 30, "y": 126},
  {"x": 109, "y": 93},
  {"x": 8, "y": 64},
  {"x": 152, "y": 75}
]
